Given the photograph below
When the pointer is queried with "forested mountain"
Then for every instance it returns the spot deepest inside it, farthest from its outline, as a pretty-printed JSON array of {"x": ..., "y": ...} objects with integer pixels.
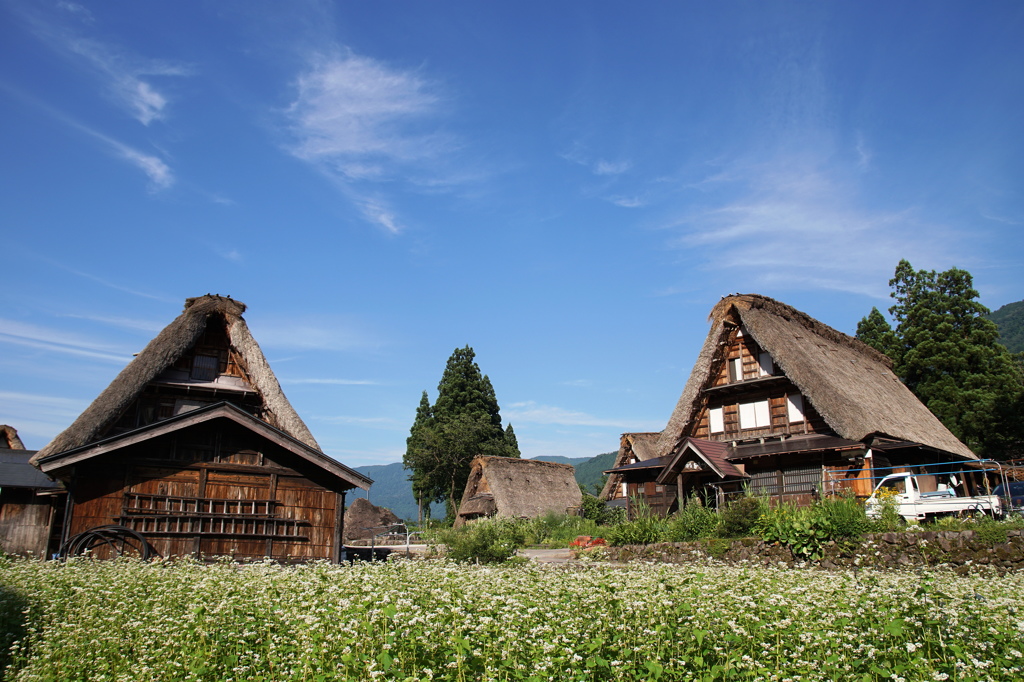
[
  {"x": 392, "y": 489},
  {"x": 1010, "y": 320}
]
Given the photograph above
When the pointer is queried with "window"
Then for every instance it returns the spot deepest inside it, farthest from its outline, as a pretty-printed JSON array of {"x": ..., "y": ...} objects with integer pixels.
[
  {"x": 765, "y": 366},
  {"x": 736, "y": 369},
  {"x": 755, "y": 415},
  {"x": 716, "y": 420},
  {"x": 204, "y": 367},
  {"x": 795, "y": 407}
]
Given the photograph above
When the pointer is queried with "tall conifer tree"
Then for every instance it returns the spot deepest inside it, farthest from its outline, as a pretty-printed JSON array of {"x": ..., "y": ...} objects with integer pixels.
[
  {"x": 946, "y": 351},
  {"x": 463, "y": 422}
]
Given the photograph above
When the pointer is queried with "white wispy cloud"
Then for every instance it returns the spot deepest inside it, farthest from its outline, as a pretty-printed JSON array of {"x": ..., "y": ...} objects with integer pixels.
[
  {"x": 794, "y": 223},
  {"x": 112, "y": 285},
  {"x": 148, "y": 326},
  {"x": 58, "y": 341},
  {"x": 126, "y": 77},
  {"x": 38, "y": 417},
  {"x": 359, "y": 121},
  {"x": 331, "y": 382},
  {"x": 377, "y": 212},
  {"x": 310, "y": 332},
  {"x": 156, "y": 169},
  {"x": 158, "y": 172},
  {"x": 233, "y": 255},
  {"x": 628, "y": 202},
  {"x": 384, "y": 423},
  {"x": 534, "y": 413},
  {"x": 603, "y": 167},
  {"x": 580, "y": 155}
]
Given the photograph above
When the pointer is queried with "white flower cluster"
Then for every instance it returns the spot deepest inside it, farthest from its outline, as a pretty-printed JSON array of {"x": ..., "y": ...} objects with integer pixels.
[{"x": 434, "y": 620}]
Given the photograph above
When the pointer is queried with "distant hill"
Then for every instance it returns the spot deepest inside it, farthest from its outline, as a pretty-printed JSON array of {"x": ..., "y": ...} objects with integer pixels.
[
  {"x": 391, "y": 487},
  {"x": 589, "y": 470},
  {"x": 1010, "y": 320}
]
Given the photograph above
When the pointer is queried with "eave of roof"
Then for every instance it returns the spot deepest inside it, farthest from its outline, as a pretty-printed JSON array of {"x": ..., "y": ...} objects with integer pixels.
[
  {"x": 16, "y": 472},
  {"x": 816, "y": 443},
  {"x": 713, "y": 453},
  {"x": 222, "y": 410},
  {"x": 655, "y": 463}
]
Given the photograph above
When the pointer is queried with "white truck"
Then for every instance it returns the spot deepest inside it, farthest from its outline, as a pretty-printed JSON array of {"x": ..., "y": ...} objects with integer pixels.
[{"x": 912, "y": 504}]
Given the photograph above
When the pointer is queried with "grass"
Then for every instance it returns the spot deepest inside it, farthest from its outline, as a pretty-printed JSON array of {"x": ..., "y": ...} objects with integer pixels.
[{"x": 437, "y": 620}]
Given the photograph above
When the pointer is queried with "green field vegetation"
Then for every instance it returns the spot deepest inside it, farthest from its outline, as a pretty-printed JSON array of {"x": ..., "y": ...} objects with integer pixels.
[
  {"x": 437, "y": 620},
  {"x": 805, "y": 530}
]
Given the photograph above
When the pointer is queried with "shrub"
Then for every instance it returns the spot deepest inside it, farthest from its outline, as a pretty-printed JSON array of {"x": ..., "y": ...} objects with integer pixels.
[
  {"x": 740, "y": 516},
  {"x": 600, "y": 513},
  {"x": 693, "y": 522},
  {"x": 888, "y": 519},
  {"x": 644, "y": 529},
  {"x": 806, "y": 530},
  {"x": 842, "y": 516},
  {"x": 557, "y": 529},
  {"x": 488, "y": 541}
]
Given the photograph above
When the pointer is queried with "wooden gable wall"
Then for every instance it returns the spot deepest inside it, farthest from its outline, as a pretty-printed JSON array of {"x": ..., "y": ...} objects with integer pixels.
[
  {"x": 187, "y": 383},
  {"x": 212, "y": 489},
  {"x": 743, "y": 374}
]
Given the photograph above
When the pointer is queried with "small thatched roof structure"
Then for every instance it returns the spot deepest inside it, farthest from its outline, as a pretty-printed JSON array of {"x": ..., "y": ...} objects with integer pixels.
[
  {"x": 850, "y": 384},
  {"x": 518, "y": 488},
  {"x": 9, "y": 438},
  {"x": 162, "y": 352},
  {"x": 633, "y": 447}
]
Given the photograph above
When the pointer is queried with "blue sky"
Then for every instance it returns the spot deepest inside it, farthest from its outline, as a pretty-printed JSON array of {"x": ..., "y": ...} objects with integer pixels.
[{"x": 567, "y": 187}]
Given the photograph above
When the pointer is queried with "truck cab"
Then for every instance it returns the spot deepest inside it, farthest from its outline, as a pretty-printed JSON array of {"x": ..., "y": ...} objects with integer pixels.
[{"x": 914, "y": 505}]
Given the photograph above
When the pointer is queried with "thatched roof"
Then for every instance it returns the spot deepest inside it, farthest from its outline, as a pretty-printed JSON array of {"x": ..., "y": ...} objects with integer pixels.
[
  {"x": 640, "y": 446},
  {"x": 850, "y": 384},
  {"x": 518, "y": 488},
  {"x": 9, "y": 438},
  {"x": 175, "y": 340}
]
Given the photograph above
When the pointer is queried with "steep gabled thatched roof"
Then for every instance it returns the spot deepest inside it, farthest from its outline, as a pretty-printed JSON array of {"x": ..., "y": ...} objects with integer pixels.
[
  {"x": 519, "y": 488},
  {"x": 9, "y": 438},
  {"x": 850, "y": 384},
  {"x": 162, "y": 352},
  {"x": 641, "y": 446}
]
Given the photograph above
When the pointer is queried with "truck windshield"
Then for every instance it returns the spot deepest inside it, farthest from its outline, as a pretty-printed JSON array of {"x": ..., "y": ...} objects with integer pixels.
[{"x": 897, "y": 484}]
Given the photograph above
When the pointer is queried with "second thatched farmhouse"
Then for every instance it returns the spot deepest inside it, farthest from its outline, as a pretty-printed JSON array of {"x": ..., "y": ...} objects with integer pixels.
[
  {"x": 510, "y": 487},
  {"x": 782, "y": 405}
]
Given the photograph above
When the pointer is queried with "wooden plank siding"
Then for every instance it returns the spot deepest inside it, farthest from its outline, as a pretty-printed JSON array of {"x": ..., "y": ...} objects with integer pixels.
[
  {"x": 25, "y": 521},
  {"x": 202, "y": 493}
]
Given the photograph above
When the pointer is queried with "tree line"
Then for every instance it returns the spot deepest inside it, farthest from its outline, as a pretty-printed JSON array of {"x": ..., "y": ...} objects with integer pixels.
[
  {"x": 463, "y": 422},
  {"x": 946, "y": 351}
]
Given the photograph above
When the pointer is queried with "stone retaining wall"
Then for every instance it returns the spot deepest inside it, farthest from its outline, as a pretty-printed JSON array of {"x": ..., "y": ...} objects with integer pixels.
[{"x": 961, "y": 550}]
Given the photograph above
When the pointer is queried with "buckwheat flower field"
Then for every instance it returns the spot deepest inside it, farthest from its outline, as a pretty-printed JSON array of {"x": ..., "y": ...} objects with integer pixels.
[{"x": 431, "y": 620}]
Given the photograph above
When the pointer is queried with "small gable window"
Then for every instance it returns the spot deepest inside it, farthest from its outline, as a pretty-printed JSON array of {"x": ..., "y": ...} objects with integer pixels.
[
  {"x": 204, "y": 367},
  {"x": 765, "y": 366},
  {"x": 736, "y": 369}
]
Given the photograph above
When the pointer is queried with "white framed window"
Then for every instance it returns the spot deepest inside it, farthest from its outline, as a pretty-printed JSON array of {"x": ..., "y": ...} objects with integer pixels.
[
  {"x": 716, "y": 420},
  {"x": 736, "y": 369},
  {"x": 765, "y": 366},
  {"x": 755, "y": 415},
  {"x": 795, "y": 407}
]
